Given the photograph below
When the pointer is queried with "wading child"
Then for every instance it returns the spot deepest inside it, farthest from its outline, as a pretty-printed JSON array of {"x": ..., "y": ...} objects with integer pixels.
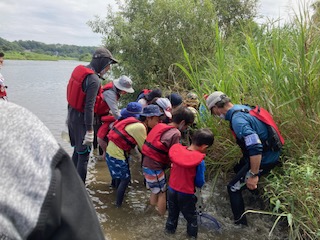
[
  {"x": 155, "y": 154},
  {"x": 123, "y": 137},
  {"x": 187, "y": 172}
]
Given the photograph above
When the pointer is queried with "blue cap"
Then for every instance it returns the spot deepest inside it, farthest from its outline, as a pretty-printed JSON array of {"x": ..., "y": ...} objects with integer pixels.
[
  {"x": 133, "y": 109},
  {"x": 151, "y": 110},
  {"x": 175, "y": 99}
]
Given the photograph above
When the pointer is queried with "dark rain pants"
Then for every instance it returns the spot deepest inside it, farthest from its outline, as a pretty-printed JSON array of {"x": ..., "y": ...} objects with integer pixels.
[
  {"x": 236, "y": 199},
  {"x": 185, "y": 203}
]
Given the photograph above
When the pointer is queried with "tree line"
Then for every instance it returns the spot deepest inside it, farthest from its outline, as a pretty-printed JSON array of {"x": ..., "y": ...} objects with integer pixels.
[{"x": 59, "y": 50}]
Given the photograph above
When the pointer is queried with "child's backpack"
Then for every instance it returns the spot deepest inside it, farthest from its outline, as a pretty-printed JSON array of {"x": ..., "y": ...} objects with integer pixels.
[{"x": 275, "y": 140}]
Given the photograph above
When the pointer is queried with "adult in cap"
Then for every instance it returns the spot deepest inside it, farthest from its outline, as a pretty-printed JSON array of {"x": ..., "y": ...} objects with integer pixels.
[
  {"x": 124, "y": 136},
  {"x": 83, "y": 92},
  {"x": 108, "y": 102},
  {"x": 252, "y": 136}
]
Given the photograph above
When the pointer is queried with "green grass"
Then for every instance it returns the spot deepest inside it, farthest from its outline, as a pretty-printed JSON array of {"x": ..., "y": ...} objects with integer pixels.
[
  {"x": 279, "y": 69},
  {"x": 34, "y": 56}
]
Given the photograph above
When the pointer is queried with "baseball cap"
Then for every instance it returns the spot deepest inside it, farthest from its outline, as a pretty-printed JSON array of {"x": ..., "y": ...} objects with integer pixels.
[
  {"x": 175, "y": 99},
  {"x": 124, "y": 83},
  {"x": 213, "y": 98},
  {"x": 104, "y": 53},
  {"x": 166, "y": 106},
  {"x": 151, "y": 110}
]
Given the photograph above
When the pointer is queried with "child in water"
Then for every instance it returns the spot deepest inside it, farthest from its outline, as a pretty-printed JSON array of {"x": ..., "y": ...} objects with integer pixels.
[{"x": 187, "y": 172}]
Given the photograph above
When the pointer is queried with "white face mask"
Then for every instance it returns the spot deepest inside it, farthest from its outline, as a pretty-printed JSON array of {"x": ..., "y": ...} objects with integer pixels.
[{"x": 222, "y": 116}]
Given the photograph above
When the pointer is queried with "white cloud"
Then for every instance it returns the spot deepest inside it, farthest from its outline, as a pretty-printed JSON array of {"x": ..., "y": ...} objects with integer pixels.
[
  {"x": 64, "y": 21},
  {"x": 59, "y": 21}
]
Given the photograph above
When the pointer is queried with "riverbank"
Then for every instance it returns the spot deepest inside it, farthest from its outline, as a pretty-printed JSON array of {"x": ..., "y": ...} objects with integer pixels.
[{"x": 42, "y": 57}]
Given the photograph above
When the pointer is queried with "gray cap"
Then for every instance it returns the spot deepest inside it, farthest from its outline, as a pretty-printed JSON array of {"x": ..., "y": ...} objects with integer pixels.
[
  {"x": 166, "y": 106},
  {"x": 104, "y": 53},
  {"x": 214, "y": 98},
  {"x": 124, "y": 83}
]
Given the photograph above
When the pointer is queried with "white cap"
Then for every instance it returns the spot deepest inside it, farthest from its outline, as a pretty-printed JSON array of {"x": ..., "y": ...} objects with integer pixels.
[
  {"x": 214, "y": 98},
  {"x": 166, "y": 106}
]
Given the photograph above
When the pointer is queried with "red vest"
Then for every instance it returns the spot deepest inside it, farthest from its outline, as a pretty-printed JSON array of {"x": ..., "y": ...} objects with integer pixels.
[
  {"x": 75, "y": 94},
  {"x": 183, "y": 168},
  {"x": 3, "y": 94},
  {"x": 104, "y": 128},
  {"x": 120, "y": 137},
  {"x": 153, "y": 147},
  {"x": 101, "y": 107}
]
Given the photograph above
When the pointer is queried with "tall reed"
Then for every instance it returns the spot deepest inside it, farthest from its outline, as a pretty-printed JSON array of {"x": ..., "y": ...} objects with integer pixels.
[{"x": 277, "y": 67}]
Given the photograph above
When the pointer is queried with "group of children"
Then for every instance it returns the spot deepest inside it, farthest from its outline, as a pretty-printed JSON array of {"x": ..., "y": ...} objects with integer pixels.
[{"x": 155, "y": 125}]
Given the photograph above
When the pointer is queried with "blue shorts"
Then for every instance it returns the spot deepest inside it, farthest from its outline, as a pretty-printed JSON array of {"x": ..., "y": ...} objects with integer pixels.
[{"x": 118, "y": 168}]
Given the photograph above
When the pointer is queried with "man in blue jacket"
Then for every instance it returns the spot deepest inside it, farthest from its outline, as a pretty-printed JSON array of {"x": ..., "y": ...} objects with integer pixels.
[{"x": 251, "y": 135}]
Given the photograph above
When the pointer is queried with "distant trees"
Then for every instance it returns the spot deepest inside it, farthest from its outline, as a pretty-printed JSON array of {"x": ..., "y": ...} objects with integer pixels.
[
  {"x": 62, "y": 50},
  {"x": 146, "y": 35}
]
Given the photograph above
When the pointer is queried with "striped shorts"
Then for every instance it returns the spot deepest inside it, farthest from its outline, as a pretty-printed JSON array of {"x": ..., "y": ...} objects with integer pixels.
[{"x": 155, "y": 180}]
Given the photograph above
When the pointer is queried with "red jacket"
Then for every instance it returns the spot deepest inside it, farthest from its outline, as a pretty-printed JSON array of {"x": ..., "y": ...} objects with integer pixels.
[
  {"x": 101, "y": 107},
  {"x": 183, "y": 168},
  {"x": 75, "y": 94},
  {"x": 153, "y": 147},
  {"x": 120, "y": 137}
]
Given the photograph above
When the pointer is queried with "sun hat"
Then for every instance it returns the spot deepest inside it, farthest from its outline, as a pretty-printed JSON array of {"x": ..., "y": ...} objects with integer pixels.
[
  {"x": 104, "y": 53},
  {"x": 213, "y": 98},
  {"x": 133, "y": 109},
  {"x": 165, "y": 104},
  {"x": 124, "y": 83},
  {"x": 151, "y": 110},
  {"x": 175, "y": 99}
]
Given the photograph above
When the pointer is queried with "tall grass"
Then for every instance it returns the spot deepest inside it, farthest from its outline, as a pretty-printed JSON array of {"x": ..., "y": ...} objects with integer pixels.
[{"x": 277, "y": 67}]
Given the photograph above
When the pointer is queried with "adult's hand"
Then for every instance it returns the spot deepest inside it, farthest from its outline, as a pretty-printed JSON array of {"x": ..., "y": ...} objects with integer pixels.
[{"x": 252, "y": 182}]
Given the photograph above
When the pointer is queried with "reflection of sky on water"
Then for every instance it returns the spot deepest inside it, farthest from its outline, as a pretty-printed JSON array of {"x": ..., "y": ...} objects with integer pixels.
[{"x": 40, "y": 86}]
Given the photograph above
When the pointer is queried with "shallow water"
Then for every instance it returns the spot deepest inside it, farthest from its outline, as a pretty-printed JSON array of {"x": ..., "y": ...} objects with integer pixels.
[
  {"x": 41, "y": 87},
  {"x": 135, "y": 220}
]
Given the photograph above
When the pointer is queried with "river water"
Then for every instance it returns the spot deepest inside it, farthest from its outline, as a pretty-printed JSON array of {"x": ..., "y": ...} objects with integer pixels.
[{"x": 40, "y": 86}]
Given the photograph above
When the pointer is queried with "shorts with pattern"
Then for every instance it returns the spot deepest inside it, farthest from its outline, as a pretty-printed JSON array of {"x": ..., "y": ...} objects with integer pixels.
[
  {"x": 118, "y": 168},
  {"x": 155, "y": 180}
]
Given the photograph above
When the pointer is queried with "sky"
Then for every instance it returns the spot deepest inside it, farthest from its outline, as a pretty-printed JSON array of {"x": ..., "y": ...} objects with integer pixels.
[{"x": 65, "y": 21}]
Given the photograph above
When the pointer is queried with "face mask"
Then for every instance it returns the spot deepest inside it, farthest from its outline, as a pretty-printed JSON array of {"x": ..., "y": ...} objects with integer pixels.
[{"x": 222, "y": 116}]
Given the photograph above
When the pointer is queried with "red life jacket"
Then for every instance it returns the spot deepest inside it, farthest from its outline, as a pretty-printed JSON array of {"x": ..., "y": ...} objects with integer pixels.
[
  {"x": 119, "y": 135},
  {"x": 105, "y": 127},
  {"x": 275, "y": 141},
  {"x": 75, "y": 94},
  {"x": 101, "y": 107},
  {"x": 3, "y": 94},
  {"x": 153, "y": 147},
  {"x": 184, "y": 168}
]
